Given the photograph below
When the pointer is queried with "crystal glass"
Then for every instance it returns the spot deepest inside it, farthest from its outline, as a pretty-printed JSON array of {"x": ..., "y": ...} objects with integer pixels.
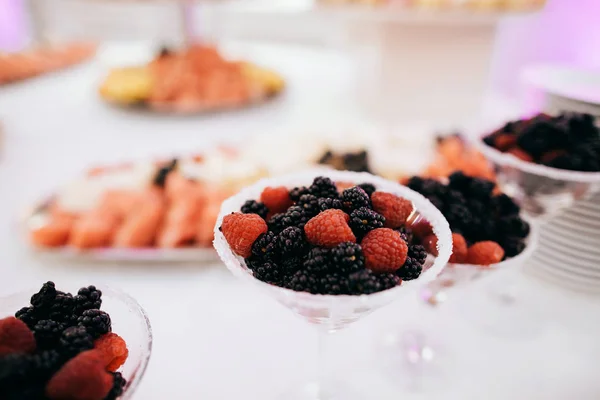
[
  {"x": 129, "y": 320},
  {"x": 542, "y": 191},
  {"x": 330, "y": 313}
]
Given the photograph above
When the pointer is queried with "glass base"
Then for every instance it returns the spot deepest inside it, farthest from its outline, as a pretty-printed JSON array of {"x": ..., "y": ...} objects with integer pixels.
[{"x": 313, "y": 391}]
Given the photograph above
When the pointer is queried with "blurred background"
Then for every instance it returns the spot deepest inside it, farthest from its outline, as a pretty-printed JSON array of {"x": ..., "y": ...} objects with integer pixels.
[{"x": 236, "y": 90}]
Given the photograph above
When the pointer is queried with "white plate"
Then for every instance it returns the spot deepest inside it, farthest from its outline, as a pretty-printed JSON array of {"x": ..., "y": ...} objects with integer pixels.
[
  {"x": 552, "y": 242},
  {"x": 542, "y": 272},
  {"x": 566, "y": 82},
  {"x": 581, "y": 223},
  {"x": 574, "y": 227},
  {"x": 574, "y": 272},
  {"x": 184, "y": 255},
  {"x": 574, "y": 239},
  {"x": 591, "y": 215},
  {"x": 567, "y": 261}
]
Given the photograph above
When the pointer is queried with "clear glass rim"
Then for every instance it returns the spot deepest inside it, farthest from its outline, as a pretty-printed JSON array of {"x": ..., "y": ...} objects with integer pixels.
[
  {"x": 439, "y": 224},
  {"x": 121, "y": 296},
  {"x": 507, "y": 159}
]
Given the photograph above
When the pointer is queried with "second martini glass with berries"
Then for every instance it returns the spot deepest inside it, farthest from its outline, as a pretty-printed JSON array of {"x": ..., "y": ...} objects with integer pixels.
[{"x": 327, "y": 255}]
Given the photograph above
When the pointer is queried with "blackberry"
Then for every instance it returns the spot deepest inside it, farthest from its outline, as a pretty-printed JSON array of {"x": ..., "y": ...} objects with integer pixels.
[
  {"x": 294, "y": 216},
  {"x": 504, "y": 205},
  {"x": 118, "y": 386},
  {"x": 74, "y": 340},
  {"x": 28, "y": 315},
  {"x": 265, "y": 247},
  {"x": 513, "y": 246},
  {"x": 411, "y": 269},
  {"x": 296, "y": 192},
  {"x": 436, "y": 201},
  {"x": 160, "y": 177},
  {"x": 44, "y": 364},
  {"x": 431, "y": 187},
  {"x": 581, "y": 126},
  {"x": 14, "y": 370},
  {"x": 255, "y": 207},
  {"x": 318, "y": 261},
  {"x": 27, "y": 392},
  {"x": 43, "y": 299},
  {"x": 269, "y": 272},
  {"x": 490, "y": 140},
  {"x": 416, "y": 183},
  {"x": 367, "y": 282},
  {"x": 357, "y": 162},
  {"x": 323, "y": 187},
  {"x": 364, "y": 220},
  {"x": 459, "y": 216},
  {"x": 88, "y": 298},
  {"x": 347, "y": 258},
  {"x": 96, "y": 322},
  {"x": 368, "y": 188},
  {"x": 333, "y": 284},
  {"x": 304, "y": 281},
  {"x": 459, "y": 181},
  {"x": 417, "y": 252},
  {"x": 454, "y": 197},
  {"x": 47, "y": 333},
  {"x": 291, "y": 264},
  {"x": 480, "y": 188},
  {"x": 309, "y": 204},
  {"x": 329, "y": 203},
  {"x": 514, "y": 226},
  {"x": 486, "y": 229},
  {"x": 62, "y": 309},
  {"x": 291, "y": 241},
  {"x": 540, "y": 136},
  {"x": 407, "y": 234},
  {"x": 355, "y": 198}
]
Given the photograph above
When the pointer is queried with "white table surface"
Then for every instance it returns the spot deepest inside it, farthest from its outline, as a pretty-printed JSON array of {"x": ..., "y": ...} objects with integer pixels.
[{"x": 216, "y": 338}]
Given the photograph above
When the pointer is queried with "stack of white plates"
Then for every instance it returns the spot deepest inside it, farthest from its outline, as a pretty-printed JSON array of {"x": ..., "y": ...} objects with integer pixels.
[{"x": 569, "y": 249}]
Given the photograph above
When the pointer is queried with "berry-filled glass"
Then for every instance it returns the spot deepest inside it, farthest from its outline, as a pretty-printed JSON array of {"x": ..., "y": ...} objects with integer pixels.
[
  {"x": 331, "y": 249},
  {"x": 545, "y": 162},
  {"x": 93, "y": 344}
]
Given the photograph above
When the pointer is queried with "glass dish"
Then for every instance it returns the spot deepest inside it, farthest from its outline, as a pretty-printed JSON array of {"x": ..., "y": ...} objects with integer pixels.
[{"x": 129, "y": 320}]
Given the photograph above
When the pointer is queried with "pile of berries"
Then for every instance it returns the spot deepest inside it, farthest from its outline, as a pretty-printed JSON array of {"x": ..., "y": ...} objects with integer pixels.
[
  {"x": 486, "y": 226},
  {"x": 570, "y": 141},
  {"x": 351, "y": 161},
  {"x": 321, "y": 240},
  {"x": 61, "y": 348}
]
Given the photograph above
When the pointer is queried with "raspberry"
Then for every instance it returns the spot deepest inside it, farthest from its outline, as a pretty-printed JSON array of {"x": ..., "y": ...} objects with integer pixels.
[
  {"x": 459, "y": 249},
  {"x": 28, "y": 315},
  {"x": 429, "y": 242},
  {"x": 520, "y": 154},
  {"x": 113, "y": 349},
  {"x": 43, "y": 299},
  {"x": 241, "y": 231},
  {"x": 291, "y": 241},
  {"x": 355, "y": 198},
  {"x": 88, "y": 298},
  {"x": 96, "y": 322},
  {"x": 265, "y": 247},
  {"x": 504, "y": 141},
  {"x": 368, "y": 188},
  {"x": 297, "y": 192},
  {"x": 364, "y": 220},
  {"x": 323, "y": 187},
  {"x": 276, "y": 199},
  {"x": 329, "y": 228},
  {"x": 318, "y": 261},
  {"x": 82, "y": 377},
  {"x": 347, "y": 258},
  {"x": 294, "y": 216},
  {"x": 75, "y": 340},
  {"x": 118, "y": 386},
  {"x": 15, "y": 337},
  {"x": 254, "y": 207},
  {"x": 309, "y": 204},
  {"x": 384, "y": 250},
  {"x": 328, "y": 203},
  {"x": 485, "y": 253},
  {"x": 395, "y": 209},
  {"x": 47, "y": 333},
  {"x": 367, "y": 282}
]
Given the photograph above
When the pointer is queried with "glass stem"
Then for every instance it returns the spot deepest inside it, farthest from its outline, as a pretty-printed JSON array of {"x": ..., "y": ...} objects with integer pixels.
[{"x": 325, "y": 367}]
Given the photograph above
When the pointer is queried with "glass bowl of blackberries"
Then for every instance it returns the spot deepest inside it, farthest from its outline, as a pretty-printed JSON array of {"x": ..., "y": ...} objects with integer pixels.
[
  {"x": 546, "y": 162},
  {"x": 94, "y": 343},
  {"x": 488, "y": 230}
]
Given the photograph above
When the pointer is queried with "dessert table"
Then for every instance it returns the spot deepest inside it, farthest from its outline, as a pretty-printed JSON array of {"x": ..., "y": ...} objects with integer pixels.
[{"x": 216, "y": 338}]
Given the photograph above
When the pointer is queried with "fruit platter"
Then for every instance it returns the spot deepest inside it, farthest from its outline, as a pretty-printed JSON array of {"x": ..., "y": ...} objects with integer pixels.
[{"x": 196, "y": 79}]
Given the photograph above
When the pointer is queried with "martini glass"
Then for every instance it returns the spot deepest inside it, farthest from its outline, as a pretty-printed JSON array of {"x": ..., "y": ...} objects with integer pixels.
[
  {"x": 331, "y": 313},
  {"x": 128, "y": 318}
]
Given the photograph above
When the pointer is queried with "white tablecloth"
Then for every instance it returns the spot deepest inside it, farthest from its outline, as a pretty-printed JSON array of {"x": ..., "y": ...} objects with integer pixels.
[{"x": 218, "y": 339}]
